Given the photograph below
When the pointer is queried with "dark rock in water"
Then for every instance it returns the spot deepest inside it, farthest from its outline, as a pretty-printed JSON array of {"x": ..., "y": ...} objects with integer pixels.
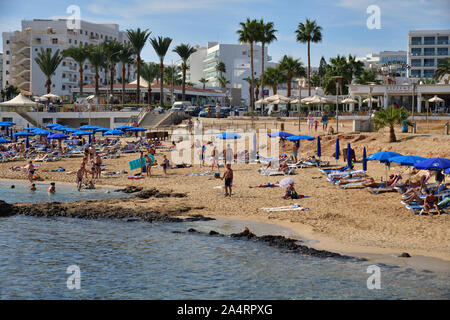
[
  {"x": 192, "y": 230},
  {"x": 244, "y": 234},
  {"x": 213, "y": 233},
  {"x": 129, "y": 189},
  {"x": 405, "y": 255},
  {"x": 198, "y": 217},
  {"x": 132, "y": 219},
  {"x": 6, "y": 209},
  {"x": 149, "y": 193}
]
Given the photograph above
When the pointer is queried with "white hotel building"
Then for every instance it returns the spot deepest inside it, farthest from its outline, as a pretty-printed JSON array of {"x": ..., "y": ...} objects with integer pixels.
[
  {"x": 20, "y": 48},
  {"x": 236, "y": 58},
  {"x": 425, "y": 49}
]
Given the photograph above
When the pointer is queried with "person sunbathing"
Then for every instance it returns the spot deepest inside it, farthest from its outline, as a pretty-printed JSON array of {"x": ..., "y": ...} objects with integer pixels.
[
  {"x": 283, "y": 167},
  {"x": 431, "y": 201},
  {"x": 414, "y": 196},
  {"x": 355, "y": 178},
  {"x": 267, "y": 185},
  {"x": 371, "y": 183}
]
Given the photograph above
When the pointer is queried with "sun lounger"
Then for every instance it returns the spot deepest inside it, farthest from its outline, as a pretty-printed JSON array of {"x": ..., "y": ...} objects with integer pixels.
[
  {"x": 275, "y": 172},
  {"x": 338, "y": 175},
  {"x": 293, "y": 207},
  {"x": 418, "y": 209}
]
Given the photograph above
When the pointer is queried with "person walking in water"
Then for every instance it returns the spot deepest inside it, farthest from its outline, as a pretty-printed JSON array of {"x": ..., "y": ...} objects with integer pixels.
[{"x": 30, "y": 170}]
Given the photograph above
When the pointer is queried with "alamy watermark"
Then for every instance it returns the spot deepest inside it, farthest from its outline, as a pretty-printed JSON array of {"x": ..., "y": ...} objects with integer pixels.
[
  {"x": 74, "y": 280},
  {"x": 374, "y": 280},
  {"x": 74, "y": 20},
  {"x": 374, "y": 19}
]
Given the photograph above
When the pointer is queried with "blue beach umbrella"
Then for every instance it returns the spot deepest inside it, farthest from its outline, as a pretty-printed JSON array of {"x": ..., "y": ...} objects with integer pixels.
[
  {"x": 123, "y": 127},
  {"x": 89, "y": 127},
  {"x": 3, "y": 140},
  {"x": 80, "y": 133},
  {"x": 319, "y": 150},
  {"x": 41, "y": 132},
  {"x": 101, "y": 130},
  {"x": 52, "y": 125},
  {"x": 300, "y": 137},
  {"x": 113, "y": 133},
  {"x": 338, "y": 150},
  {"x": 383, "y": 156},
  {"x": 134, "y": 129},
  {"x": 437, "y": 164},
  {"x": 280, "y": 134},
  {"x": 407, "y": 160},
  {"x": 23, "y": 134},
  {"x": 447, "y": 171},
  {"x": 57, "y": 136},
  {"x": 349, "y": 156},
  {"x": 364, "y": 160},
  {"x": 228, "y": 135}
]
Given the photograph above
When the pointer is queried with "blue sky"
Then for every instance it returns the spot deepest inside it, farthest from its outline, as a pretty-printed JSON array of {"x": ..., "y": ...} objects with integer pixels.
[{"x": 199, "y": 21}]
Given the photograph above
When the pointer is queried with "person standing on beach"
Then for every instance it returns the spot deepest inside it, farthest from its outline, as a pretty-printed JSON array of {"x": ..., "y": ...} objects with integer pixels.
[
  {"x": 80, "y": 174},
  {"x": 30, "y": 170},
  {"x": 324, "y": 121},
  {"x": 295, "y": 150},
  {"x": 310, "y": 121},
  {"x": 215, "y": 159},
  {"x": 228, "y": 176},
  {"x": 148, "y": 163},
  {"x": 98, "y": 164},
  {"x": 165, "y": 164}
]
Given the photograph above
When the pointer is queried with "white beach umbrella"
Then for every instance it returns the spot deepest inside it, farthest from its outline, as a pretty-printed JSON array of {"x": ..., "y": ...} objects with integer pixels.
[
  {"x": 295, "y": 101},
  {"x": 261, "y": 101},
  {"x": 436, "y": 99},
  {"x": 367, "y": 100},
  {"x": 51, "y": 96},
  {"x": 349, "y": 100},
  {"x": 277, "y": 99},
  {"x": 315, "y": 99},
  {"x": 19, "y": 101}
]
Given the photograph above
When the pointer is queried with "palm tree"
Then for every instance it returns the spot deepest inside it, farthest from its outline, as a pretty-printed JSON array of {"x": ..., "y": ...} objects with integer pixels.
[
  {"x": 161, "y": 45},
  {"x": 48, "y": 64},
  {"x": 138, "y": 38},
  {"x": 203, "y": 81},
  {"x": 249, "y": 32},
  {"x": 184, "y": 51},
  {"x": 291, "y": 68},
  {"x": 220, "y": 67},
  {"x": 306, "y": 33},
  {"x": 149, "y": 74},
  {"x": 223, "y": 82},
  {"x": 112, "y": 49},
  {"x": 355, "y": 67},
  {"x": 365, "y": 77},
  {"x": 96, "y": 58},
  {"x": 125, "y": 57},
  {"x": 389, "y": 118},
  {"x": 267, "y": 36},
  {"x": 257, "y": 86},
  {"x": 443, "y": 68},
  {"x": 79, "y": 54},
  {"x": 273, "y": 77}
]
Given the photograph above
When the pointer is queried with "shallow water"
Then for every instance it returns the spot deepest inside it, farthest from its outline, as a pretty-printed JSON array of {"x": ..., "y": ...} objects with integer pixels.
[
  {"x": 137, "y": 260},
  {"x": 64, "y": 192}
]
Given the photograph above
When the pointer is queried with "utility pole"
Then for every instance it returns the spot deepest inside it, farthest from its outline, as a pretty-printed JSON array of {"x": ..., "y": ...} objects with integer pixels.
[{"x": 337, "y": 78}]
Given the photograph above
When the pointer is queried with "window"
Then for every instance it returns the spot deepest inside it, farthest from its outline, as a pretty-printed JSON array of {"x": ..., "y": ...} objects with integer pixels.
[
  {"x": 416, "y": 73},
  {"x": 54, "y": 41},
  {"x": 70, "y": 40},
  {"x": 63, "y": 87},
  {"x": 416, "y": 41},
  {"x": 63, "y": 75},
  {"x": 7, "y": 52},
  {"x": 428, "y": 40},
  {"x": 428, "y": 73},
  {"x": 442, "y": 51},
  {"x": 442, "y": 40},
  {"x": 76, "y": 41},
  {"x": 64, "y": 64},
  {"x": 428, "y": 62},
  {"x": 7, "y": 41},
  {"x": 7, "y": 62},
  {"x": 416, "y": 51},
  {"x": 416, "y": 62},
  {"x": 428, "y": 51}
]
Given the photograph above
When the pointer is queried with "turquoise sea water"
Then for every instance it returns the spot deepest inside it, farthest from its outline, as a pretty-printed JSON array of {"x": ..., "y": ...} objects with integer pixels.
[{"x": 138, "y": 260}]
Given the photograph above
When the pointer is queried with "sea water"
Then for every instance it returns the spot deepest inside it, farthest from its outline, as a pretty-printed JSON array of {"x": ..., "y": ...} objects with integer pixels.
[{"x": 139, "y": 260}]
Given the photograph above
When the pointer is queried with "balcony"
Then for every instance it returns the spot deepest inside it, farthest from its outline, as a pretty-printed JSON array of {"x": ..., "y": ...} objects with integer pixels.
[
  {"x": 429, "y": 42},
  {"x": 442, "y": 42},
  {"x": 415, "y": 43},
  {"x": 442, "y": 53}
]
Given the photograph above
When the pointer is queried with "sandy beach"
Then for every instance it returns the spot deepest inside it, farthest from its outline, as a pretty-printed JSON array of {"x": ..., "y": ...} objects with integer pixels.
[{"x": 348, "y": 221}]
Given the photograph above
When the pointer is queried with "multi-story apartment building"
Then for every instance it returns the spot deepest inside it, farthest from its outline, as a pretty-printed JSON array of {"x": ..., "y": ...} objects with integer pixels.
[
  {"x": 236, "y": 57},
  {"x": 1, "y": 70},
  {"x": 386, "y": 62},
  {"x": 22, "y": 47},
  {"x": 425, "y": 49}
]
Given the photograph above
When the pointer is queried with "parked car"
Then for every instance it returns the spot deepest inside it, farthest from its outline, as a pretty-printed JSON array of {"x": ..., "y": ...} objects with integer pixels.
[
  {"x": 193, "y": 110},
  {"x": 225, "y": 112},
  {"x": 204, "y": 114},
  {"x": 180, "y": 105}
]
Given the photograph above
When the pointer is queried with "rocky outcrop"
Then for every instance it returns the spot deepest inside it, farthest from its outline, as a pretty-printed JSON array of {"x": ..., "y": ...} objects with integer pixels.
[
  {"x": 292, "y": 245},
  {"x": 6, "y": 209}
]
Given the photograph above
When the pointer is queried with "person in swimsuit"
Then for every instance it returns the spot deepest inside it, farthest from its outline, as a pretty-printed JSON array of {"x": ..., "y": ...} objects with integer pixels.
[
  {"x": 98, "y": 164},
  {"x": 52, "y": 188},
  {"x": 267, "y": 185},
  {"x": 228, "y": 177},
  {"x": 310, "y": 121},
  {"x": 80, "y": 174},
  {"x": 148, "y": 164},
  {"x": 165, "y": 164},
  {"x": 33, "y": 187},
  {"x": 30, "y": 170},
  {"x": 215, "y": 159}
]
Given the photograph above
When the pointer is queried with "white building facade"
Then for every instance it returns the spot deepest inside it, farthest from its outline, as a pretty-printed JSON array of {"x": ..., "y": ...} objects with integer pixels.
[
  {"x": 1, "y": 70},
  {"x": 236, "y": 57},
  {"x": 20, "y": 49},
  {"x": 425, "y": 49}
]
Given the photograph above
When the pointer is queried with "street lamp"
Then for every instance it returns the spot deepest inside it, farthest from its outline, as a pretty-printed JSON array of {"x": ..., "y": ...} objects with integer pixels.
[
  {"x": 414, "y": 85},
  {"x": 337, "y": 78},
  {"x": 371, "y": 85}
]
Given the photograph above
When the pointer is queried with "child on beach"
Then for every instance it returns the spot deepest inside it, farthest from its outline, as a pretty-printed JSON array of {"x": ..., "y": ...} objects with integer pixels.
[
  {"x": 165, "y": 164},
  {"x": 316, "y": 124},
  {"x": 33, "y": 187},
  {"x": 148, "y": 165},
  {"x": 228, "y": 176}
]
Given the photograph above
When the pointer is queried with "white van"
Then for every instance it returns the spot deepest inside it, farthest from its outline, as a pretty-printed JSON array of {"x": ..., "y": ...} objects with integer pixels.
[{"x": 180, "y": 105}]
